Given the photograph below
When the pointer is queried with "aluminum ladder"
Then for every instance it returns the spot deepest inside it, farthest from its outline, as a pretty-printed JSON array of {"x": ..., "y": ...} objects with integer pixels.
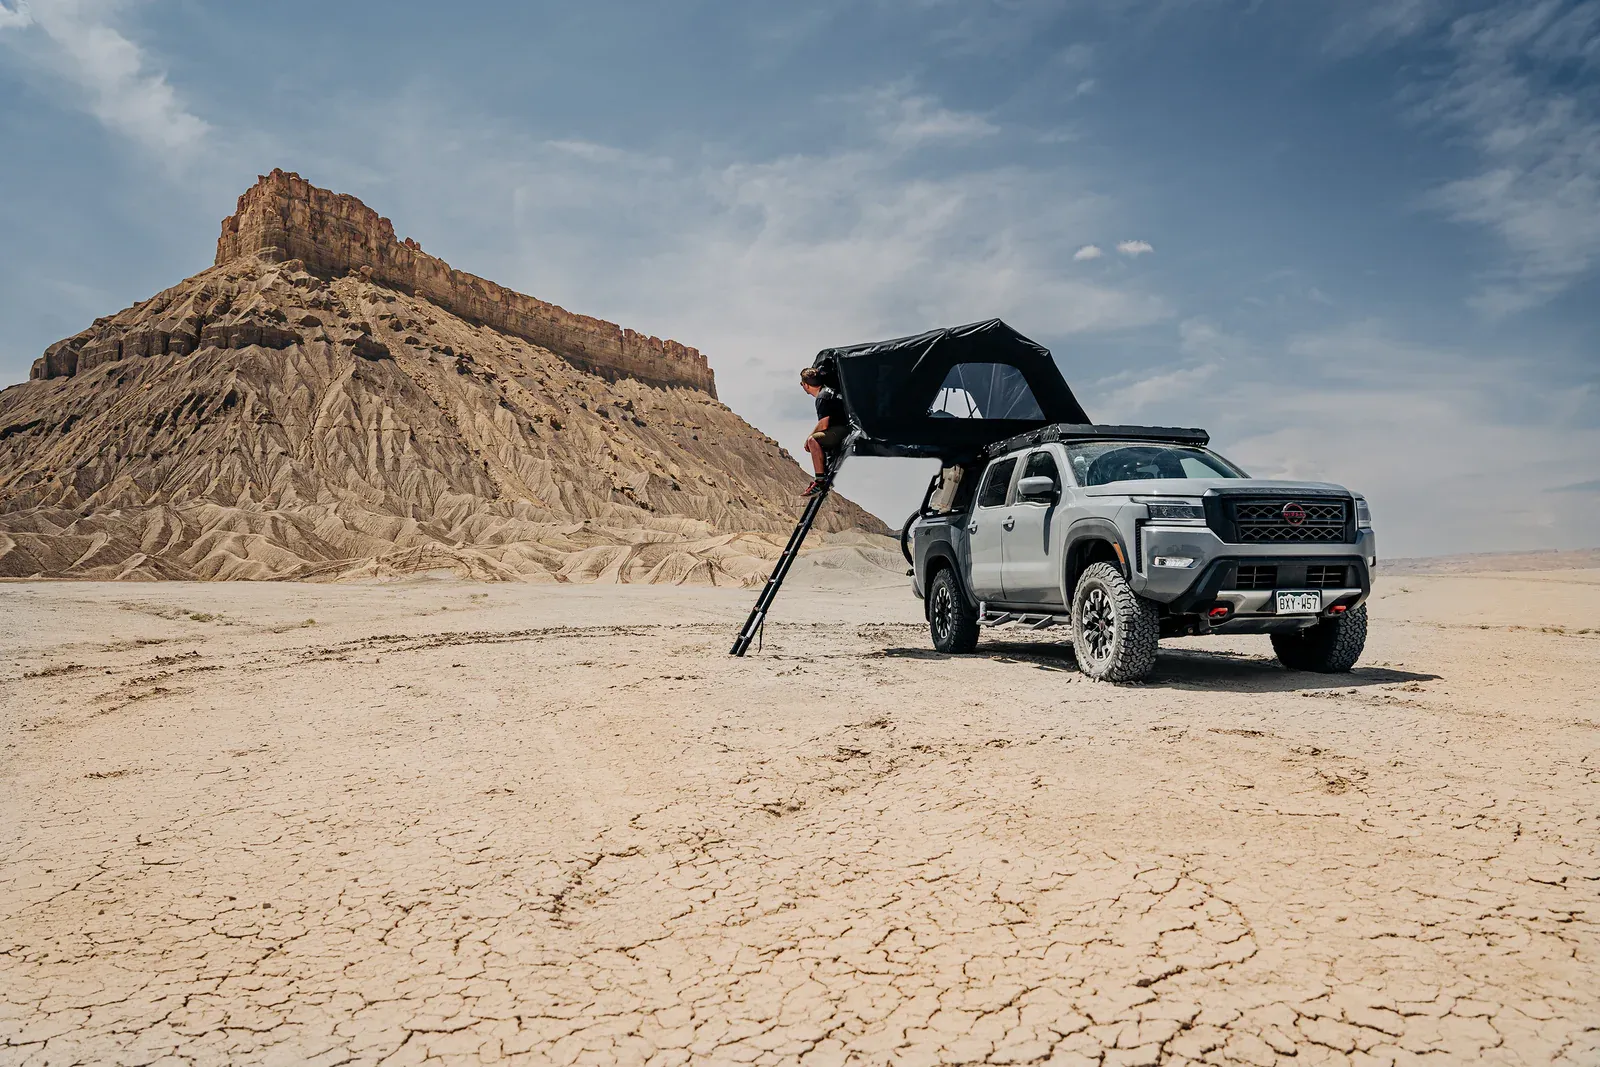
[{"x": 791, "y": 551}]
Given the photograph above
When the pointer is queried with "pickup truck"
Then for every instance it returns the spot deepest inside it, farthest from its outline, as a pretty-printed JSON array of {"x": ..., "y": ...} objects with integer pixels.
[{"x": 1128, "y": 534}]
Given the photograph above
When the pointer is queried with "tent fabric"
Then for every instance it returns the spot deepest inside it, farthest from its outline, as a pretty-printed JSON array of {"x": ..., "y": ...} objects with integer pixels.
[{"x": 989, "y": 381}]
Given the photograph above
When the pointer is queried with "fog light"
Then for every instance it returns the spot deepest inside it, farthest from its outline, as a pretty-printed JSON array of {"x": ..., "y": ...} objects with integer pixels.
[{"x": 1174, "y": 561}]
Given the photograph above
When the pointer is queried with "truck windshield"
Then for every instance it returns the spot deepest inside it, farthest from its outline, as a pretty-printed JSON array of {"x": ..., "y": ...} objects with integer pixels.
[{"x": 1101, "y": 462}]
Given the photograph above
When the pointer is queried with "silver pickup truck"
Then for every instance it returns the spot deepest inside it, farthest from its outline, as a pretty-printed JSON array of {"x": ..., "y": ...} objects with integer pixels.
[{"x": 1129, "y": 534}]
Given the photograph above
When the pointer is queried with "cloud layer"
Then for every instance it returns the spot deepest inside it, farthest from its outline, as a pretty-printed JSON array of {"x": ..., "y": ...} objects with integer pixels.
[
  {"x": 1537, "y": 186},
  {"x": 73, "y": 44}
]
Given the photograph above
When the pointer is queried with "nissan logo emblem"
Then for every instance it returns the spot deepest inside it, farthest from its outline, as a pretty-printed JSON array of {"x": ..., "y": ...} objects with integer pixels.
[{"x": 1294, "y": 514}]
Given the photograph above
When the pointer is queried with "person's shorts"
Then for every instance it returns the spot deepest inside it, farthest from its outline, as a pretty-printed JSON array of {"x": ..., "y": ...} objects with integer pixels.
[{"x": 831, "y": 438}]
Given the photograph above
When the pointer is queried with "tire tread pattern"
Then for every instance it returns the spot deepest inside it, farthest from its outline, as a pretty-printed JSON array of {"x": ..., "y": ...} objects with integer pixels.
[
  {"x": 1133, "y": 653},
  {"x": 1332, "y": 646}
]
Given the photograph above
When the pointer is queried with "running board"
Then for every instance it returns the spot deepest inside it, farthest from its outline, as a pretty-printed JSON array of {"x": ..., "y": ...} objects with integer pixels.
[{"x": 1026, "y": 620}]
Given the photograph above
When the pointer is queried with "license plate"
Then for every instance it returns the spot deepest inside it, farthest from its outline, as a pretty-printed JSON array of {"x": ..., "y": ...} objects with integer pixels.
[{"x": 1296, "y": 602}]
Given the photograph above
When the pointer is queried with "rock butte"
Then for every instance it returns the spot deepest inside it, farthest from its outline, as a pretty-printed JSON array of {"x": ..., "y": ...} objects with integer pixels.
[
  {"x": 284, "y": 217},
  {"x": 327, "y": 402}
]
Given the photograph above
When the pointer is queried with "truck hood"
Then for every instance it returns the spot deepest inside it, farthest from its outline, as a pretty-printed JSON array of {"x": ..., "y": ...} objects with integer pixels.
[{"x": 1194, "y": 487}]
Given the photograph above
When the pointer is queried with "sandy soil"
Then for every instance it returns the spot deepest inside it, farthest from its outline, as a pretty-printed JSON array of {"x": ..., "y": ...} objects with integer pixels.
[{"x": 448, "y": 822}]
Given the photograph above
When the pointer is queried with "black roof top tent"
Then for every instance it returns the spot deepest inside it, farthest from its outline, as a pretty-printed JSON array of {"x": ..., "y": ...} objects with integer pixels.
[{"x": 949, "y": 393}]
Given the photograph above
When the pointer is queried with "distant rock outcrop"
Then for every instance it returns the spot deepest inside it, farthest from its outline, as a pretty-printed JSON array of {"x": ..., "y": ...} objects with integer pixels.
[
  {"x": 283, "y": 217},
  {"x": 326, "y": 402}
]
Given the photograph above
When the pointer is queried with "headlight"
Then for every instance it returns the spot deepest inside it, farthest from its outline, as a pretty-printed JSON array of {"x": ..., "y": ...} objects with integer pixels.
[
  {"x": 1363, "y": 514},
  {"x": 1181, "y": 512}
]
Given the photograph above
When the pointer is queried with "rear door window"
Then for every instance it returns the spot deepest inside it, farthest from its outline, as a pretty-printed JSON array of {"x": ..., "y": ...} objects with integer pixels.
[{"x": 996, "y": 484}]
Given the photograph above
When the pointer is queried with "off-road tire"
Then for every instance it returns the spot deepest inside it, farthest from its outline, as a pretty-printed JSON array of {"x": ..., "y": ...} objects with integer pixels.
[
  {"x": 1115, "y": 631},
  {"x": 951, "y": 620},
  {"x": 1332, "y": 646}
]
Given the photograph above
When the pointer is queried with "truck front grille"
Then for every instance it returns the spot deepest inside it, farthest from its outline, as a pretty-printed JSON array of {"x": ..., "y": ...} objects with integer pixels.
[{"x": 1289, "y": 521}]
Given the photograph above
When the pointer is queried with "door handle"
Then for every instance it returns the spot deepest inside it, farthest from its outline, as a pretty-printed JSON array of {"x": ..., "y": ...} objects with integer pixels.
[
  {"x": 1009, "y": 523},
  {"x": 972, "y": 527}
]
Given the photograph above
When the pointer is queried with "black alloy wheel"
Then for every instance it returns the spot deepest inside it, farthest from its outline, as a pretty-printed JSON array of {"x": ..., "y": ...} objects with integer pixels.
[
  {"x": 951, "y": 621},
  {"x": 1099, "y": 624}
]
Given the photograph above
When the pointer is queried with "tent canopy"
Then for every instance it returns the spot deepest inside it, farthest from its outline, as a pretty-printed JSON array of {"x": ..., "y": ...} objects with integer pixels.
[{"x": 948, "y": 393}]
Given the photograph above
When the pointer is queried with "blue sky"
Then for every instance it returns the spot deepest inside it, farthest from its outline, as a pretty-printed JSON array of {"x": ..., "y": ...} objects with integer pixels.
[{"x": 1356, "y": 241}]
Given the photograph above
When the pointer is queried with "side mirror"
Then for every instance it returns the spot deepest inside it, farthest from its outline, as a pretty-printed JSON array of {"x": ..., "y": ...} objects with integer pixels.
[{"x": 1039, "y": 487}]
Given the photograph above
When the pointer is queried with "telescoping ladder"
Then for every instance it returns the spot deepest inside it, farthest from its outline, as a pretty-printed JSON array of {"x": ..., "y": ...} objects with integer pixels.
[{"x": 769, "y": 592}]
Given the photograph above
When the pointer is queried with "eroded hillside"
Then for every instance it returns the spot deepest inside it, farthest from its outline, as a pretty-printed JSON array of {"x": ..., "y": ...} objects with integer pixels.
[{"x": 267, "y": 420}]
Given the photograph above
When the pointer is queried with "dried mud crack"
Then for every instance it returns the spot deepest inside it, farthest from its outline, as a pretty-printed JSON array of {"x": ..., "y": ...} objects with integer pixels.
[{"x": 563, "y": 826}]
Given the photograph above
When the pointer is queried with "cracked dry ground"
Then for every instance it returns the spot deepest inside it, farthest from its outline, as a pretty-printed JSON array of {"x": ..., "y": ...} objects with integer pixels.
[{"x": 448, "y": 823}]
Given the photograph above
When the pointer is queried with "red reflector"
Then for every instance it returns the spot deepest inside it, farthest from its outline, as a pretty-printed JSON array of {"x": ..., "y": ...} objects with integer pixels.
[{"x": 1219, "y": 612}]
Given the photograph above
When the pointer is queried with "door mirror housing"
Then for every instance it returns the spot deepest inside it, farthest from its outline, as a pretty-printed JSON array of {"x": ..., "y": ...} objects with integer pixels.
[{"x": 1038, "y": 487}]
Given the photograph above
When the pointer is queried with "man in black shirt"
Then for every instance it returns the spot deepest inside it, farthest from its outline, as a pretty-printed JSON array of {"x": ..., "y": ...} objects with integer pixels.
[{"x": 833, "y": 425}]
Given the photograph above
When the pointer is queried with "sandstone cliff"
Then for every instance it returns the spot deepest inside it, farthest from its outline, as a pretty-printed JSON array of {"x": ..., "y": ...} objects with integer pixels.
[
  {"x": 284, "y": 217},
  {"x": 265, "y": 419}
]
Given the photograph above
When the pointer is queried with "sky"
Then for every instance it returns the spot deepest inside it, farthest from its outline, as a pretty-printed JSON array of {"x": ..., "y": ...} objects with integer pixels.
[{"x": 1357, "y": 242}]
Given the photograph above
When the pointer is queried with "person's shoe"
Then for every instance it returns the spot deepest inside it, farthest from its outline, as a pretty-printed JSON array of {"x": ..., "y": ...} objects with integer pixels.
[{"x": 818, "y": 484}]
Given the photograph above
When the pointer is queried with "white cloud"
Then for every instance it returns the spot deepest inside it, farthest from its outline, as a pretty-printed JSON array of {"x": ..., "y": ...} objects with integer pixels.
[
  {"x": 1176, "y": 387},
  {"x": 73, "y": 42},
  {"x": 1380, "y": 24},
  {"x": 1537, "y": 187},
  {"x": 599, "y": 153},
  {"x": 1088, "y": 252},
  {"x": 907, "y": 120},
  {"x": 1134, "y": 248}
]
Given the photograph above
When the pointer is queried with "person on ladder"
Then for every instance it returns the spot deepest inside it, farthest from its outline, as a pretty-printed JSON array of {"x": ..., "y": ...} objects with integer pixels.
[{"x": 833, "y": 425}]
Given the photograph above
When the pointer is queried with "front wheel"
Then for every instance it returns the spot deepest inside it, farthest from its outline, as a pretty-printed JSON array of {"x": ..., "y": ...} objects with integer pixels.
[
  {"x": 951, "y": 620},
  {"x": 1115, "y": 631},
  {"x": 1332, "y": 646}
]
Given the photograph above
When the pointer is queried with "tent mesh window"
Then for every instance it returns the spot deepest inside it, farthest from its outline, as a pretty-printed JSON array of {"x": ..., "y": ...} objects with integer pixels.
[{"x": 985, "y": 391}]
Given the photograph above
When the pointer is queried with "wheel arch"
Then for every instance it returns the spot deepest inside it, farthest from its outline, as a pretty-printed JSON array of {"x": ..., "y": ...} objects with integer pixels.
[
  {"x": 939, "y": 558},
  {"x": 1091, "y": 541}
]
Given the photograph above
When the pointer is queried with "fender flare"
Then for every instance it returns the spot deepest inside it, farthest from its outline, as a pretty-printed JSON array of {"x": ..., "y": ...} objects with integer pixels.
[
  {"x": 1092, "y": 528},
  {"x": 942, "y": 554}
]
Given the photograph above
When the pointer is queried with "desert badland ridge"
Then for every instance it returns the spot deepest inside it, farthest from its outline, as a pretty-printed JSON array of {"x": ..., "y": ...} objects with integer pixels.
[
  {"x": 326, "y": 401},
  {"x": 284, "y": 217}
]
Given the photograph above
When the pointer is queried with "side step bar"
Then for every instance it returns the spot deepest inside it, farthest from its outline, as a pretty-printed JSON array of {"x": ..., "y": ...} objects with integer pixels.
[{"x": 1026, "y": 620}]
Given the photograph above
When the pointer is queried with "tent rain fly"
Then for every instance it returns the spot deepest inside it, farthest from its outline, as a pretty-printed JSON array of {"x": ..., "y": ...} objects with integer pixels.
[{"x": 948, "y": 393}]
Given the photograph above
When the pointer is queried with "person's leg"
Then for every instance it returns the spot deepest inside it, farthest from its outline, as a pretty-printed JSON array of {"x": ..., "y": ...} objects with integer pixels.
[{"x": 814, "y": 446}]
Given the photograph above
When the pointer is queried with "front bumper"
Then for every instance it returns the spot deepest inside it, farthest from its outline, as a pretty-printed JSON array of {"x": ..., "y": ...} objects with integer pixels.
[{"x": 1213, "y": 577}]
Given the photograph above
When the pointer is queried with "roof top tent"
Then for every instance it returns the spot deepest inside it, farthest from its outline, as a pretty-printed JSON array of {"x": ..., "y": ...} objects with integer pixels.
[
  {"x": 949, "y": 393},
  {"x": 946, "y": 394}
]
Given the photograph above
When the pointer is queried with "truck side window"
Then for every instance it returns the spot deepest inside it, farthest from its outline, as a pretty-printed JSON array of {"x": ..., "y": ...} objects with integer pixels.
[
  {"x": 995, "y": 486},
  {"x": 1042, "y": 465}
]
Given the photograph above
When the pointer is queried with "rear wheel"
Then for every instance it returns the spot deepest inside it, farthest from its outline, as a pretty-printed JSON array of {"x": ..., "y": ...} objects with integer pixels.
[
  {"x": 1332, "y": 646},
  {"x": 951, "y": 620},
  {"x": 1115, "y": 631}
]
